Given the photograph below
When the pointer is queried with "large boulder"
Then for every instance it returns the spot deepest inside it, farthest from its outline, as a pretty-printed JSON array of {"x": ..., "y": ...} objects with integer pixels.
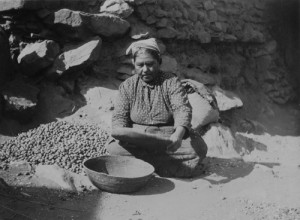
[
  {"x": 108, "y": 25},
  {"x": 75, "y": 57},
  {"x": 226, "y": 99},
  {"x": 5, "y": 61},
  {"x": 117, "y": 7},
  {"x": 81, "y": 25},
  {"x": 37, "y": 56},
  {"x": 67, "y": 23},
  {"x": 20, "y": 100}
]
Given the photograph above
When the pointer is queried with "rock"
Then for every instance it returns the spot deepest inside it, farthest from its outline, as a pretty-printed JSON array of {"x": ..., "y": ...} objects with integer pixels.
[
  {"x": 202, "y": 113},
  {"x": 212, "y": 16},
  {"x": 220, "y": 142},
  {"x": 167, "y": 33},
  {"x": 5, "y": 61},
  {"x": 108, "y": 25},
  {"x": 20, "y": 167},
  {"x": 229, "y": 38},
  {"x": 126, "y": 69},
  {"x": 67, "y": 84},
  {"x": 142, "y": 12},
  {"x": 6, "y": 5},
  {"x": 122, "y": 76},
  {"x": 204, "y": 37},
  {"x": 20, "y": 100},
  {"x": 64, "y": 179},
  {"x": 266, "y": 50},
  {"x": 245, "y": 145},
  {"x": 140, "y": 2},
  {"x": 117, "y": 7},
  {"x": 162, "y": 23},
  {"x": 198, "y": 75},
  {"x": 193, "y": 16},
  {"x": 151, "y": 20},
  {"x": 160, "y": 13},
  {"x": 138, "y": 29},
  {"x": 169, "y": 64},
  {"x": 68, "y": 23},
  {"x": 226, "y": 99},
  {"x": 250, "y": 126},
  {"x": 203, "y": 61},
  {"x": 80, "y": 25},
  {"x": 208, "y": 5},
  {"x": 75, "y": 57},
  {"x": 37, "y": 56},
  {"x": 271, "y": 47},
  {"x": 251, "y": 35}
]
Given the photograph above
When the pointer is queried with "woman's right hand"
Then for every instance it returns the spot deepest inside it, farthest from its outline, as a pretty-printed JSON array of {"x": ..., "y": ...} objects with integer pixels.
[{"x": 176, "y": 143}]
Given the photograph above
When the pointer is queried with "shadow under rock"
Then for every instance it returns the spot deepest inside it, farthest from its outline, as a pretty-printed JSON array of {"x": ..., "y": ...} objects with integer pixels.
[
  {"x": 219, "y": 170},
  {"x": 53, "y": 102}
]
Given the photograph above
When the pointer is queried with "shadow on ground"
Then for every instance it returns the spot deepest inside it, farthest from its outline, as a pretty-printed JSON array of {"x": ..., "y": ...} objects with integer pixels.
[
  {"x": 220, "y": 171},
  {"x": 156, "y": 185},
  {"x": 41, "y": 203}
]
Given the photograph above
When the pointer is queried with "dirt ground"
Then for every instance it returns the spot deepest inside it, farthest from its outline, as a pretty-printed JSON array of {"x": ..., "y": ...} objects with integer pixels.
[{"x": 262, "y": 185}]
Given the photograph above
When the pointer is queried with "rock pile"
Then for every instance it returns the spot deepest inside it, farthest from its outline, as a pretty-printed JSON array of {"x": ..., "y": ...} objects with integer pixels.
[{"x": 61, "y": 143}]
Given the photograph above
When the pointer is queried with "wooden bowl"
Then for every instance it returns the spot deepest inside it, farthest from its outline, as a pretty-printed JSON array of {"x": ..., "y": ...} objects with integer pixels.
[{"x": 118, "y": 174}]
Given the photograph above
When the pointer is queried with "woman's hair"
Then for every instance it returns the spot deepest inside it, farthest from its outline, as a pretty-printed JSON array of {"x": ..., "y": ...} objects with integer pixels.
[{"x": 155, "y": 54}]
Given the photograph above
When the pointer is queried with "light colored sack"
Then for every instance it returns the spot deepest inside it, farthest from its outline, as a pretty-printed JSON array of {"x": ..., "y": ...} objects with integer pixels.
[{"x": 203, "y": 113}]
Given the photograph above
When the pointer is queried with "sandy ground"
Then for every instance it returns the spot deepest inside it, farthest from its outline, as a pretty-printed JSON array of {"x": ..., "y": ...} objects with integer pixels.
[{"x": 262, "y": 186}]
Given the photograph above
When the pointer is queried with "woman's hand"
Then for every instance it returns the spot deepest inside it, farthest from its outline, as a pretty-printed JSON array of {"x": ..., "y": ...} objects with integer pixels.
[
  {"x": 176, "y": 139},
  {"x": 176, "y": 143}
]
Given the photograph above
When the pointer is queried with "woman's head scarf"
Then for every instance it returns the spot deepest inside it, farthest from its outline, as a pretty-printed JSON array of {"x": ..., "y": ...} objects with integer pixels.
[{"x": 150, "y": 44}]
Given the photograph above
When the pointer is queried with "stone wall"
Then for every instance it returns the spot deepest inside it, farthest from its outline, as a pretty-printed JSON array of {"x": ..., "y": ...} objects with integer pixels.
[{"x": 226, "y": 43}]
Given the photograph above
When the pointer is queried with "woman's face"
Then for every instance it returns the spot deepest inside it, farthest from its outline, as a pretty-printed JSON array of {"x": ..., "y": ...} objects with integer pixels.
[{"x": 146, "y": 66}]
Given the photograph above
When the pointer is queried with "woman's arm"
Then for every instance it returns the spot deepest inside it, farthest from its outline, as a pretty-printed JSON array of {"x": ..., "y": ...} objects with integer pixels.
[
  {"x": 182, "y": 113},
  {"x": 121, "y": 113}
]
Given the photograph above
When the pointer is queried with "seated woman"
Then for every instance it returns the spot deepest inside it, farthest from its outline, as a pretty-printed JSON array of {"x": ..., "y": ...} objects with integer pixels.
[{"x": 152, "y": 105}]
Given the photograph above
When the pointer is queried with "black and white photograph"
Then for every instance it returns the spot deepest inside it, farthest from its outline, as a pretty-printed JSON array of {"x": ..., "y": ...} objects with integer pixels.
[{"x": 149, "y": 109}]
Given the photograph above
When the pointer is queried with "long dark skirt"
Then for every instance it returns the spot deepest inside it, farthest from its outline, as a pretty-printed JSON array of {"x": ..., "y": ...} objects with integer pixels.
[{"x": 181, "y": 163}]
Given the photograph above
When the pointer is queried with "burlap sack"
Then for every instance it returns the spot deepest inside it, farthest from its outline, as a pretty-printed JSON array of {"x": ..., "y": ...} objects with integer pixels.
[{"x": 203, "y": 113}]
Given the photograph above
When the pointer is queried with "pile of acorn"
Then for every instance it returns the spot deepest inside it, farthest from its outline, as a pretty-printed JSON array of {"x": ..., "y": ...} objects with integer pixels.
[{"x": 61, "y": 143}]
